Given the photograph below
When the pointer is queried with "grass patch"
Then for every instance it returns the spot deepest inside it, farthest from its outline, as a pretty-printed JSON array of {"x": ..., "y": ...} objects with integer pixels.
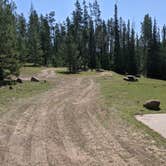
[
  {"x": 61, "y": 70},
  {"x": 30, "y": 71},
  {"x": 27, "y": 89},
  {"x": 128, "y": 98},
  {"x": 88, "y": 73}
]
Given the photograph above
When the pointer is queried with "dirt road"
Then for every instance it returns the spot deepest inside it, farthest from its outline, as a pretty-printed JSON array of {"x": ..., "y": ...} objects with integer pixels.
[{"x": 60, "y": 128}]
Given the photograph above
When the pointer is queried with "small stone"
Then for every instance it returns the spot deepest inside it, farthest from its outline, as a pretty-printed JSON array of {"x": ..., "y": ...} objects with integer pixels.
[{"x": 10, "y": 87}]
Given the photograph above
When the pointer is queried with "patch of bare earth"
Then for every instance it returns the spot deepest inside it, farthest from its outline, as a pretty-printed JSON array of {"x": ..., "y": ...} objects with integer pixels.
[
  {"x": 45, "y": 74},
  {"x": 60, "y": 128}
]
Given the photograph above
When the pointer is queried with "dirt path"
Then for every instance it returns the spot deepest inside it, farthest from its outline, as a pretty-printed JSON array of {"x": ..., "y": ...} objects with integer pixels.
[{"x": 60, "y": 128}]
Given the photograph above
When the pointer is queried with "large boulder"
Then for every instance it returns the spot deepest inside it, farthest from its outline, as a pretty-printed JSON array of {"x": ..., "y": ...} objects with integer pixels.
[
  {"x": 152, "y": 104},
  {"x": 138, "y": 75},
  {"x": 126, "y": 79},
  {"x": 100, "y": 70},
  {"x": 130, "y": 78},
  {"x": 19, "y": 80},
  {"x": 35, "y": 79}
]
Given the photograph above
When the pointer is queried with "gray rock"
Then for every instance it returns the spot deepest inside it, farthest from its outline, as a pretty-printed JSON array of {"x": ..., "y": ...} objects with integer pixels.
[
  {"x": 35, "y": 79},
  {"x": 10, "y": 88},
  {"x": 19, "y": 80},
  {"x": 100, "y": 70},
  {"x": 130, "y": 78},
  {"x": 152, "y": 104}
]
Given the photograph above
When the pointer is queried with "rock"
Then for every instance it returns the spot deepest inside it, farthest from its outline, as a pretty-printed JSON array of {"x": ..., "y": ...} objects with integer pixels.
[
  {"x": 152, "y": 104},
  {"x": 10, "y": 87},
  {"x": 19, "y": 80},
  {"x": 138, "y": 75},
  {"x": 100, "y": 70},
  {"x": 126, "y": 78},
  {"x": 130, "y": 78},
  {"x": 35, "y": 79}
]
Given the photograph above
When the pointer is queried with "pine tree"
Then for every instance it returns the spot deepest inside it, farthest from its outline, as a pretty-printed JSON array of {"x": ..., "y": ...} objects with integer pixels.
[
  {"x": 57, "y": 45},
  {"x": 153, "y": 59},
  {"x": 92, "y": 63},
  {"x": 61, "y": 56},
  {"x": 9, "y": 63},
  {"x": 85, "y": 37},
  {"x": 124, "y": 47},
  {"x": 22, "y": 38},
  {"x": 75, "y": 39},
  {"x": 117, "y": 57},
  {"x": 105, "y": 56},
  {"x": 138, "y": 53},
  {"x": 98, "y": 33},
  {"x": 71, "y": 49},
  {"x": 111, "y": 36},
  {"x": 34, "y": 42},
  {"x": 164, "y": 36},
  {"x": 146, "y": 37},
  {"x": 132, "y": 68},
  {"x": 45, "y": 38}
]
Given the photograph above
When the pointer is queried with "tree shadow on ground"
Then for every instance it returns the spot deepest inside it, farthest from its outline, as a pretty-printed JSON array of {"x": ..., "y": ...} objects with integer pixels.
[{"x": 7, "y": 82}]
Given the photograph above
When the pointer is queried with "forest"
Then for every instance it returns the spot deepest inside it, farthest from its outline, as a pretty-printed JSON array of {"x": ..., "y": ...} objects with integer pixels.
[{"x": 83, "y": 41}]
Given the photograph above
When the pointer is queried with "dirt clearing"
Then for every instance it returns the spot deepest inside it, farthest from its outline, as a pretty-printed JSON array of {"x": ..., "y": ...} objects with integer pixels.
[
  {"x": 61, "y": 128},
  {"x": 44, "y": 74}
]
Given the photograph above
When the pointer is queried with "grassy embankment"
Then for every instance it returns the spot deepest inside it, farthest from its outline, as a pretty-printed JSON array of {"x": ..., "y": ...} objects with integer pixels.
[
  {"x": 27, "y": 89},
  {"x": 126, "y": 99}
]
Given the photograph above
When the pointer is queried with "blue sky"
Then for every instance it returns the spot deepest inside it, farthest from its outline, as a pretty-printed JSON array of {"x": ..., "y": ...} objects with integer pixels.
[{"x": 128, "y": 9}]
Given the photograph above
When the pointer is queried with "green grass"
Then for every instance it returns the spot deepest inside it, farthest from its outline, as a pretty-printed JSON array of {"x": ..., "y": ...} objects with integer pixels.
[
  {"x": 88, "y": 73},
  {"x": 27, "y": 89},
  {"x": 128, "y": 99},
  {"x": 30, "y": 71}
]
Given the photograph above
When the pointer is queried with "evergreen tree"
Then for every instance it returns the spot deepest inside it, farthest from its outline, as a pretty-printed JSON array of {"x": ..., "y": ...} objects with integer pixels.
[
  {"x": 45, "y": 38},
  {"x": 83, "y": 41},
  {"x": 117, "y": 57},
  {"x": 85, "y": 37},
  {"x": 164, "y": 36},
  {"x": 57, "y": 45},
  {"x": 153, "y": 59},
  {"x": 92, "y": 63},
  {"x": 124, "y": 47},
  {"x": 35, "y": 52},
  {"x": 71, "y": 49},
  {"x": 9, "y": 63},
  {"x": 75, "y": 37},
  {"x": 105, "y": 56},
  {"x": 138, "y": 53},
  {"x": 111, "y": 37},
  {"x": 98, "y": 33},
  {"x": 146, "y": 38},
  {"x": 132, "y": 68},
  {"x": 22, "y": 38}
]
